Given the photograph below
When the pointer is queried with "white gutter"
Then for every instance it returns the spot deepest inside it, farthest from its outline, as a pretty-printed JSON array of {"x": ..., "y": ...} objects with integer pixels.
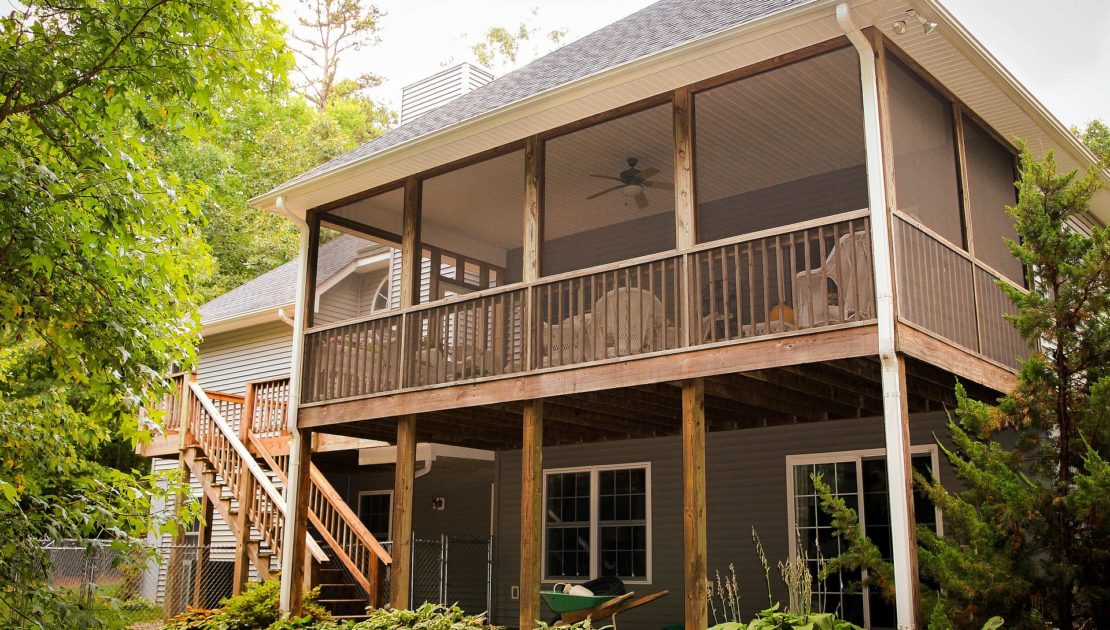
[
  {"x": 283, "y": 316},
  {"x": 296, "y": 444},
  {"x": 897, "y": 446}
]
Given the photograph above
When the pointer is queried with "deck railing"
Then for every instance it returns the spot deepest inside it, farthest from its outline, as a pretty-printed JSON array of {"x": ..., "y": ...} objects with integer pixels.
[
  {"x": 805, "y": 275},
  {"x": 946, "y": 292}
]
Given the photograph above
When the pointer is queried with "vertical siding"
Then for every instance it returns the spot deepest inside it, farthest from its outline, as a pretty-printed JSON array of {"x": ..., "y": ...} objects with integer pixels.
[{"x": 746, "y": 487}]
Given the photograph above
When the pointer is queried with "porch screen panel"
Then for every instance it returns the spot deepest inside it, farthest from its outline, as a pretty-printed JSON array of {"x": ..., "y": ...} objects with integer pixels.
[
  {"x": 567, "y": 525},
  {"x": 780, "y": 147},
  {"x": 990, "y": 187},
  {"x": 591, "y": 215},
  {"x": 926, "y": 182}
]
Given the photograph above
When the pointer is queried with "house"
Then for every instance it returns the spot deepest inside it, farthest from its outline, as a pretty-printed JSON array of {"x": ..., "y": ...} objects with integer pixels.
[{"x": 664, "y": 274}]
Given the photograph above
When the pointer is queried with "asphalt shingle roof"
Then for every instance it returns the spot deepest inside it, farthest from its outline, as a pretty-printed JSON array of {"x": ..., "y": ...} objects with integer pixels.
[
  {"x": 657, "y": 27},
  {"x": 277, "y": 288}
]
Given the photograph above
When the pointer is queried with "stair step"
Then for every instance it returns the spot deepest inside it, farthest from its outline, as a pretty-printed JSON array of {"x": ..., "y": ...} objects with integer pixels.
[
  {"x": 339, "y": 600},
  {"x": 339, "y": 585}
]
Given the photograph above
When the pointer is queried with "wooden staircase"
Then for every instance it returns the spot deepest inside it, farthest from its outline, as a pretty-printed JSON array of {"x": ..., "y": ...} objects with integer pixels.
[{"x": 240, "y": 470}]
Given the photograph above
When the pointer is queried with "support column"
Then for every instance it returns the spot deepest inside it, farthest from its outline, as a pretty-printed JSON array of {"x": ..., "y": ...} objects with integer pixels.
[
  {"x": 693, "y": 504},
  {"x": 533, "y": 208},
  {"x": 204, "y": 540},
  {"x": 295, "y": 553},
  {"x": 685, "y": 215},
  {"x": 177, "y": 553},
  {"x": 410, "y": 244},
  {"x": 241, "y": 572},
  {"x": 401, "y": 574},
  {"x": 531, "y": 512}
]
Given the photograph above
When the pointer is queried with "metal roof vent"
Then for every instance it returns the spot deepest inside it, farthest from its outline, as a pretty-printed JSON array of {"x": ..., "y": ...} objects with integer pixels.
[{"x": 446, "y": 85}]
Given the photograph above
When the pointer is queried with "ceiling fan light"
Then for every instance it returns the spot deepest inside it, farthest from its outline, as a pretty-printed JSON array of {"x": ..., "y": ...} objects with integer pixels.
[{"x": 631, "y": 190}]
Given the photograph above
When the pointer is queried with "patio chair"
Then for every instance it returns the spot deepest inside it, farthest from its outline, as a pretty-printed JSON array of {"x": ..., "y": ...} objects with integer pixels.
[
  {"x": 632, "y": 321},
  {"x": 566, "y": 343},
  {"x": 840, "y": 290}
]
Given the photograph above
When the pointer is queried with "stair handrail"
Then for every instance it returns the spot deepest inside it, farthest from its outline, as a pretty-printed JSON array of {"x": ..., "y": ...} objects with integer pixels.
[
  {"x": 324, "y": 486},
  {"x": 256, "y": 471}
]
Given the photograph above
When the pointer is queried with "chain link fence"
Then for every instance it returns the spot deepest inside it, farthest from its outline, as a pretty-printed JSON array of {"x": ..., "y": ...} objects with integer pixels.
[
  {"x": 95, "y": 564},
  {"x": 453, "y": 570},
  {"x": 197, "y": 576}
]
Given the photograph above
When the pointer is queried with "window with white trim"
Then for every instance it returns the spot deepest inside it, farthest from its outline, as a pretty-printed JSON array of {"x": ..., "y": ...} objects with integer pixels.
[
  {"x": 597, "y": 523},
  {"x": 860, "y": 479}
]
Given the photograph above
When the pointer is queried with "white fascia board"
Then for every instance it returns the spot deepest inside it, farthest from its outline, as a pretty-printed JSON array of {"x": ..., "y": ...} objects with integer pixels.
[
  {"x": 243, "y": 320},
  {"x": 554, "y": 97}
]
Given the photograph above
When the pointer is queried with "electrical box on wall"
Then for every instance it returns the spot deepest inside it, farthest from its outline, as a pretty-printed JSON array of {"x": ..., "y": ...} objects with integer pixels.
[
  {"x": 439, "y": 503},
  {"x": 514, "y": 592}
]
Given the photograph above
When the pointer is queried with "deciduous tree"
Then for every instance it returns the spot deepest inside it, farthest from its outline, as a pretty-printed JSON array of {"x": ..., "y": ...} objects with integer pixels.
[{"x": 98, "y": 252}]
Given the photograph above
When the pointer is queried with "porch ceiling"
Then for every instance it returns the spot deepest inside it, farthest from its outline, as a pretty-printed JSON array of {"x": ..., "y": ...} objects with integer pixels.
[
  {"x": 832, "y": 390},
  {"x": 951, "y": 54}
]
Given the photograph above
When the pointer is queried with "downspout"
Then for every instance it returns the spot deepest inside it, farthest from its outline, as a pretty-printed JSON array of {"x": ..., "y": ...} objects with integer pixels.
[
  {"x": 289, "y": 541},
  {"x": 896, "y": 440}
]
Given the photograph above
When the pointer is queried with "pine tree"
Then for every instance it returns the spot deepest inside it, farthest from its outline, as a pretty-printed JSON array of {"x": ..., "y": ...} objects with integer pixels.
[{"x": 1027, "y": 539}]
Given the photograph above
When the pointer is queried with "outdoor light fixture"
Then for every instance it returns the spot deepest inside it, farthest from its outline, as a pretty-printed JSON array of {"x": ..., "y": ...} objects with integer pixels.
[{"x": 900, "y": 27}]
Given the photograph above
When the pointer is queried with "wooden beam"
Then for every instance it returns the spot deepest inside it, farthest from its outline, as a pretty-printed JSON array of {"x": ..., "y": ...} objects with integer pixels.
[
  {"x": 382, "y": 236},
  {"x": 240, "y": 572},
  {"x": 297, "y": 518},
  {"x": 907, "y": 490},
  {"x": 410, "y": 245},
  {"x": 531, "y": 513},
  {"x": 827, "y": 345},
  {"x": 404, "y": 476},
  {"x": 310, "y": 267},
  {"x": 933, "y": 350},
  {"x": 693, "y": 504},
  {"x": 685, "y": 208},
  {"x": 176, "y": 560},
  {"x": 533, "y": 207},
  {"x": 204, "y": 542}
]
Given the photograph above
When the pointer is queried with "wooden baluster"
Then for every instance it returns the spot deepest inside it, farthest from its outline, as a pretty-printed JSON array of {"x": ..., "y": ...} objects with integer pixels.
[{"x": 780, "y": 271}]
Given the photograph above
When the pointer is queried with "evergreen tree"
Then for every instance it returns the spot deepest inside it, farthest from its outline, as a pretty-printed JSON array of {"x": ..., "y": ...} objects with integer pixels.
[{"x": 1028, "y": 538}]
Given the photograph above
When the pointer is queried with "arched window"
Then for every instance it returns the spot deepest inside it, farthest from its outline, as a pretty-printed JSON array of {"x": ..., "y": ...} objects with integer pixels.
[{"x": 381, "y": 294}]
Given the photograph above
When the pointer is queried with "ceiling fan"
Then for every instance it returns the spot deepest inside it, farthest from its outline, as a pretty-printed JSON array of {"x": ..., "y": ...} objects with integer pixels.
[{"x": 633, "y": 181}]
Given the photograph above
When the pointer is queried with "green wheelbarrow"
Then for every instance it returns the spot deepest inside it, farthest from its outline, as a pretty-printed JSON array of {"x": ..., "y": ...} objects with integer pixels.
[{"x": 575, "y": 608}]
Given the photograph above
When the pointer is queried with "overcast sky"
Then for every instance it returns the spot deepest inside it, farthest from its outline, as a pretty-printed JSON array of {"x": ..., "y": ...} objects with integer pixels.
[{"x": 1059, "y": 49}]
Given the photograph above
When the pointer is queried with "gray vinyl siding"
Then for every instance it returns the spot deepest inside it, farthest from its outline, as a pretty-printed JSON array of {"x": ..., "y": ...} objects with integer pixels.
[
  {"x": 340, "y": 302},
  {"x": 228, "y": 361},
  {"x": 745, "y": 487},
  {"x": 464, "y": 483}
]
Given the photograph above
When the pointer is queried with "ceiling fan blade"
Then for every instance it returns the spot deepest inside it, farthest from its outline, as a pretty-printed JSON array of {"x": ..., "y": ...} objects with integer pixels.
[
  {"x": 641, "y": 200},
  {"x": 616, "y": 179},
  {"x": 607, "y": 190},
  {"x": 660, "y": 185},
  {"x": 649, "y": 172}
]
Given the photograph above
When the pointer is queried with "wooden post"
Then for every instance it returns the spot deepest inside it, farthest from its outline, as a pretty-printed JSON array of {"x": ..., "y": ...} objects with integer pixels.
[
  {"x": 685, "y": 211},
  {"x": 177, "y": 553},
  {"x": 533, "y": 208},
  {"x": 410, "y": 244},
  {"x": 313, "y": 255},
  {"x": 531, "y": 513},
  {"x": 693, "y": 503},
  {"x": 300, "y": 463},
  {"x": 204, "y": 540},
  {"x": 241, "y": 572},
  {"x": 405, "y": 474}
]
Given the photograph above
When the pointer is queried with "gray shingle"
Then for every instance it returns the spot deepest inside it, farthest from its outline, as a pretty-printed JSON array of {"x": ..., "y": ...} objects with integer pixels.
[
  {"x": 277, "y": 288},
  {"x": 654, "y": 28}
]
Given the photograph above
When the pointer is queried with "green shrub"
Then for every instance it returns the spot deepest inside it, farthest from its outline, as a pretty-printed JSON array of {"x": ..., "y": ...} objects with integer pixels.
[
  {"x": 774, "y": 619},
  {"x": 425, "y": 617},
  {"x": 256, "y": 608}
]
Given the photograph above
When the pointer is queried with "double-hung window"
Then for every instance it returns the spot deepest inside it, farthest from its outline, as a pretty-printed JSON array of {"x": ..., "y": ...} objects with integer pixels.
[
  {"x": 597, "y": 523},
  {"x": 860, "y": 479}
]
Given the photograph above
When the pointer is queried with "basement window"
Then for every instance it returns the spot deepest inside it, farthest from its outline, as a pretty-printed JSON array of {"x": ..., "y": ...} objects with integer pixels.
[
  {"x": 597, "y": 523},
  {"x": 860, "y": 479}
]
